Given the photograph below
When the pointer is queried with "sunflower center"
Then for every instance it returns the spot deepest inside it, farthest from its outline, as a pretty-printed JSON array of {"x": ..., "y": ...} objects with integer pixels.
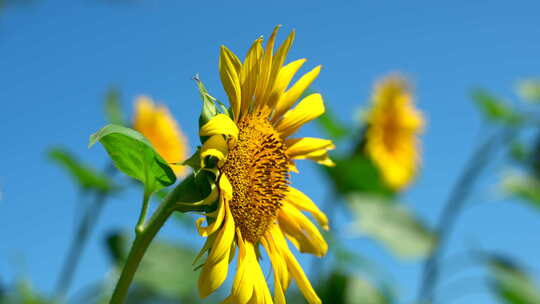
[{"x": 257, "y": 168}]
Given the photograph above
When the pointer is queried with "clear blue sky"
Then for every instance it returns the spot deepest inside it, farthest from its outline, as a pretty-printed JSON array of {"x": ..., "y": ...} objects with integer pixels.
[{"x": 57, "y": 58}]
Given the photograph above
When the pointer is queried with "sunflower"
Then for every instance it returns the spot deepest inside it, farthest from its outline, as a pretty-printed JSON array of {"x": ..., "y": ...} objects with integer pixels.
[
  {"x": 156, "y": 123},
  {"x": 254, "y": 152},
  {"x": 393, "y": 126}
]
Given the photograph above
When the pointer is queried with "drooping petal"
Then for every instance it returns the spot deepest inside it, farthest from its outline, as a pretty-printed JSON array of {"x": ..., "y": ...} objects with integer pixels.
[
  {"x": 308, "y": 109},
  {"x": 288, "y": 99},
  {"x": 299, "y": 227},
  {"x": 229, "y": 70},
  {"x": 304, "y": 203},
  {"x": 281, "y": 274},
  {"x": 249, "y": 284},
  {"x": 215, "y": 268},
  {"x": 215, "y": 146},
  {"x": 220, "y": 124},
  {"x": 300, "y": 277}
]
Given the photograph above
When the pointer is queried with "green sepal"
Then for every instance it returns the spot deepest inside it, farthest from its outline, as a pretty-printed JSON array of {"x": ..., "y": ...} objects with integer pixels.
[
  {"x": 194, "y": 161},
  {"x": 134, "y": 155}
]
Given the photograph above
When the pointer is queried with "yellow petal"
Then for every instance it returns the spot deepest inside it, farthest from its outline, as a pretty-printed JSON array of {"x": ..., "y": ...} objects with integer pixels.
[
  {"x": 308, "y": 109},
  {"x": 229, "y": 70},
  {"x": 225, "y": 187},
  {"x": 249, "y": 283},
  {"x": 215, "y": 146},
  {"x": 281, "y": 275},
  {"x": 304, "y": 203},
  {"x": 248, "y": 75},
  {"x": 215, "y": 268},
  {"x": 216, "y": 224},
  {"x": 301, "y": 280},
  {"x": 291, "y": 96},
  {"x": 242, "y": 289},
  {"x": 299, "y": 227},
  {"x": 283, "y": 79},
  {"x": 277, "y": 62},
  {"x": 265, "y": 70},
  {"x": 300, "y": 148},
  {"x": 219, "y": 124}
]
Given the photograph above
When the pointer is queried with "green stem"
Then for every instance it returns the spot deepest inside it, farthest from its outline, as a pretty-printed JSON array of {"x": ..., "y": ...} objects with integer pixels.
[
  {"x": 144, "y": 237},
  {"x": 142, "y": 217}
]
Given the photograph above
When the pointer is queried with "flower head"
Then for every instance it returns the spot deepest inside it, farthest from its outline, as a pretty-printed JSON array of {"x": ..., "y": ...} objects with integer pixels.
[
  {"x": 393, "y": 126},
  {"x": 157, "y": 125},
  {"x": 254, "y": 152}
]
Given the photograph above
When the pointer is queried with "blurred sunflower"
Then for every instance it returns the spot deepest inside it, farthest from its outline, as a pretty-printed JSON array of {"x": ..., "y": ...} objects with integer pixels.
[
  {"x": 156, "y": 123},
  {"x": 393, "y": 126},
  {"x": 254, "y": 154}
]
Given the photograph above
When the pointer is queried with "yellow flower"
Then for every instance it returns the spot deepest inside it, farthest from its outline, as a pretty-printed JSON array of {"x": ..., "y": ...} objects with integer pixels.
[
  {"x": 393, "y": 125},
  {"x": 156, "y": 123},
  {"x": 254, "y": 151}
]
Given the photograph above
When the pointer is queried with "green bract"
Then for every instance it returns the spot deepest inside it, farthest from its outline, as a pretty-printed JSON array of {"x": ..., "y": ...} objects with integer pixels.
[{"x": 133, "y": 154}]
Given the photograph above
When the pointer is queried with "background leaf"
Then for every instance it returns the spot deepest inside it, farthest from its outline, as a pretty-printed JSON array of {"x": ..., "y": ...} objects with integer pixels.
[
  {"x": 529, "y": 89},
  {"x": 331, "y": 126},
  {"x": 87, "y": 177},
  {"x": 495, "y": 109},
  {"x": 113, "y": 107},
  {"x": 133, "y": 154},
  {"x": 166, "y": 269},
  {"x": 356, "y": 174},
  {"x": 392, "y": 225},
  {"x": 522, "y": 186},
  {"x": 511, "y": 283}
]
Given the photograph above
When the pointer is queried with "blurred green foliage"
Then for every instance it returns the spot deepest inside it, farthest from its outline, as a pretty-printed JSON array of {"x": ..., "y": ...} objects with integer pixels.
[
  {"x": 511, "y": 283},
  {"x": 85, "y": 176}
]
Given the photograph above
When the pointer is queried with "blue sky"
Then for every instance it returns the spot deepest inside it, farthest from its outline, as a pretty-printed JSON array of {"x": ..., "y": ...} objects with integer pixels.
[{"x": 57, "y": 58}]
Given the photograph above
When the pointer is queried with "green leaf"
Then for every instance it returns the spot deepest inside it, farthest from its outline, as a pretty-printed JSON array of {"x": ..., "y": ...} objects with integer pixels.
[
  {"x": 356, "y": 174},
  {"x": 511, "y": 283},
  {"x": 113, "y": 107},
  {"x": 133, "y": 154},
  {"x": 87, "y": 177},
  {"x": 522, "y": 186},
  {"x": 332, "y": 126},
  {"x": 495, "y": 109},
  {"x": 393, "y": 225},
  {"x": 529, "y": 89}
]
